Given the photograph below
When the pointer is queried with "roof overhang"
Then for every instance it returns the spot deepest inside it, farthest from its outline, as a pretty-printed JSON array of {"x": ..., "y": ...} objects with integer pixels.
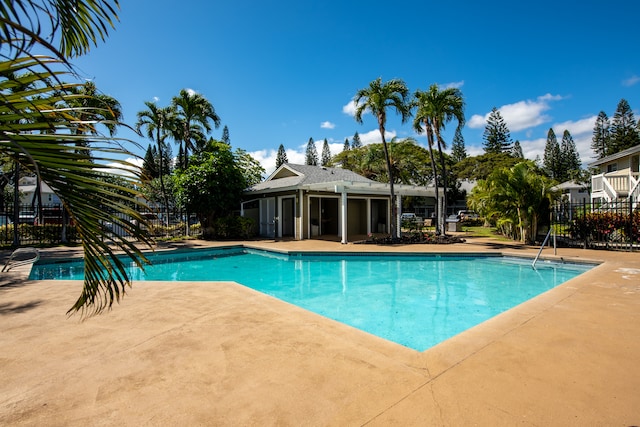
[
  {"x": 362, "y": 188},
  {"x": 617, "y": 156}
]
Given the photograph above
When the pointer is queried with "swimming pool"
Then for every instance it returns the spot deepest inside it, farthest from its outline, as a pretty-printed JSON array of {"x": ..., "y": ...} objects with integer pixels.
[{"x": 416, "y": 300}]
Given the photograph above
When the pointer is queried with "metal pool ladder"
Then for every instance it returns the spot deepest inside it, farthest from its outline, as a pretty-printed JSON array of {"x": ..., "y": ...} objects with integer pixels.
[
  {"x": 533, "y": 264},
  {"x": 33, "y": 256}
]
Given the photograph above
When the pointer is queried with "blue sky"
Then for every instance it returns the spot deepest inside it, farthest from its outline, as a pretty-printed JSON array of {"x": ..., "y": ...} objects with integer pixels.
[{"x": 282, "y": 72}]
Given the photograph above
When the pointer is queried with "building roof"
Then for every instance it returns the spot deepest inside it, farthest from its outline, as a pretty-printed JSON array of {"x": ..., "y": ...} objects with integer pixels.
[
  {"x": 570, "y": 185},
  {"x": 320, "y": 178},
  {"x": 619, "y": 155}
]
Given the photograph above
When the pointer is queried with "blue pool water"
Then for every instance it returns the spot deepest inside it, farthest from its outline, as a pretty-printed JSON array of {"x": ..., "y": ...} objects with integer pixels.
[{"x": 414, "y": 300}]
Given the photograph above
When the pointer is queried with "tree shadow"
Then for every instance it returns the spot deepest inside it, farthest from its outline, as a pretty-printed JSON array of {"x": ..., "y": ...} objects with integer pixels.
[
  {"x": 12, "y": 308},
  {"x": 11, "y": 282}
]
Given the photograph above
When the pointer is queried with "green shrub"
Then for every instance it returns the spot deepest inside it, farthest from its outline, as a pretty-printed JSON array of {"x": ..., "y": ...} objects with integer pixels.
[{"x": 606, "y": 226}]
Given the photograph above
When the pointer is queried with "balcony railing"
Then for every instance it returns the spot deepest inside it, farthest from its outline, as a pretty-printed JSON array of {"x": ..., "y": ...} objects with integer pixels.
[{"x": 614, "y": 186}]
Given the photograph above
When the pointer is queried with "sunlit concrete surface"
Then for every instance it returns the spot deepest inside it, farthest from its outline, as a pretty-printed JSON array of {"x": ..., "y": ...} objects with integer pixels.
[{"x": 192, "y": 353}]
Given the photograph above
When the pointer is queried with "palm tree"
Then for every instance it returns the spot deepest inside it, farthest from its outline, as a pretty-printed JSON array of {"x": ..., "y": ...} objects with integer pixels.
[
  {"x": 91, "y": 107},
  {"x": 159, "y": 123},
  {"x": 194, "y": 112},
  {"x": 435, "y": 108},
  {"x": 38, "y": 131},
  {"x": 377, "y": 98}
]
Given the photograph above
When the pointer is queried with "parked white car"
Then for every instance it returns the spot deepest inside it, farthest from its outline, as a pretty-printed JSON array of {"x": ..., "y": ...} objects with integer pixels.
[{"x": 467, "y": 215}]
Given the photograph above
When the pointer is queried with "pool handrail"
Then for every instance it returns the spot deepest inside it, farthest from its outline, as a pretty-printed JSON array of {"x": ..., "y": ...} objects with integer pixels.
[{"x": 533, "y": 264}]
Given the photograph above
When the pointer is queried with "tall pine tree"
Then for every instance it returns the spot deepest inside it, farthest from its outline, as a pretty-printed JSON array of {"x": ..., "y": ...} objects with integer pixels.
[
  {"x": 225, "y": 135},
  {"x": 355, "y": 142},
  {"x": 149, "y": 169},
  {"x": 551, "y": 159},
  {"x": 180, "y": 158},
  {"x": 601, "y": 140},
  {"x": 570, "y": 163},
  {"x": 623, "y": 128},
  {"x": 281, "y": 157},
  {"x": 516, "y": 152},
  {"x": 346, "y": 146},
  {"x": 311, "y": 156},
  {"x": 326, "y": 153},
  {"x": 496, "y": 136},
  {"x": 458, "y": 150}
]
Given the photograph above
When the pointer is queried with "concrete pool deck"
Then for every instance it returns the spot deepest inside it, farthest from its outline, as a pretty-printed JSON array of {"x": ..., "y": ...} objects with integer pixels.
[{"x": 189, "y": 353}]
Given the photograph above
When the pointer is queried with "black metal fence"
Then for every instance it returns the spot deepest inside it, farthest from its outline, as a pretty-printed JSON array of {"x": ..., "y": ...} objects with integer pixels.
[
  {"x": 51, "y": 226},
  {"x": 611, "y": 225},
  {"x": 591, "y": 226}
]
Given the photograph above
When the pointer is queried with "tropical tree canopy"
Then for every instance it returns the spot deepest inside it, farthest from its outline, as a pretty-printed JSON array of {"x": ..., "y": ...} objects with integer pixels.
[
  {"x": 409, "y": 162},
  {"x": 159, "y": 124},
  {"x": 514, "y": 198},
  {"x": 39, "y": 118},
  {"x": 212, "y": 184},
  {"x": 480, "y": 167},
  {"x": 194, "y": 114}
]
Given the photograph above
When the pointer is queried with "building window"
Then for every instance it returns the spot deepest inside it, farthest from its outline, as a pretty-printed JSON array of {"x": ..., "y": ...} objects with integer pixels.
[{"x": 612, "y": 167}]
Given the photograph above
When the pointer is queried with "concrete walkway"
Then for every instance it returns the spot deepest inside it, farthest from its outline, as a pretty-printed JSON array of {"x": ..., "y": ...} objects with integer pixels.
[{"x": 180, "y": 353}]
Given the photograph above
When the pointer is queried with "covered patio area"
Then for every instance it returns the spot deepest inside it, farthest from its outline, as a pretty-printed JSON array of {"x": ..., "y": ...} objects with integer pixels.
[{"x": 307, "y": 202}]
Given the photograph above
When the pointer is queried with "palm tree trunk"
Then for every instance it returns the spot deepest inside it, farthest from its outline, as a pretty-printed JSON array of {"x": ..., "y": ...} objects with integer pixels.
[
  {"x": 394, "y": 213},
  {"x": 162, "y": 188},
  {"x": 444, "y": 179},
  {"x": 429, "y": 132}
]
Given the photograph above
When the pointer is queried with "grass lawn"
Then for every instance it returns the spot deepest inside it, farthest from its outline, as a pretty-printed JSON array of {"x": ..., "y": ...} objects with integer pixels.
[{"x": 480, "y": 231}]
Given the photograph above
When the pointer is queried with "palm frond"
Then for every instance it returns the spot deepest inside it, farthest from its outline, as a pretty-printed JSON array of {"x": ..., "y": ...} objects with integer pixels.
[
  {"x": 79, "y": 24},
  {"x": 39, "y": 130}
]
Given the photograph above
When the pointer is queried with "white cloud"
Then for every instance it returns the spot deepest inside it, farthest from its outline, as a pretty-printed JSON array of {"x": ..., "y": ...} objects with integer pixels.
[
  {"x": 267, "y": 158},
  {"x": 132, "y": 164},
  {"x": 350, "y": 108},
  {"x": 297, "y": 155},
  {"x": 533, "y": 148},
  {"x": 456, "y": 85},
  {"x": 580, "y": 127},
  {"x": 631, "y": 81},
  {"x": 373, "y": 136},
  {"x": 478, "y": 121},
  {"x": 327, "y": 125},
  {"x": 520, "y": 115}
]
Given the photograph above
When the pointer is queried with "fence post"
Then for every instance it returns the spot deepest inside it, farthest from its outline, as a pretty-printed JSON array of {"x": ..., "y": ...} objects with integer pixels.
[
  {"x": 584, "y": 216},
  {"x": 630, "y": 225}
]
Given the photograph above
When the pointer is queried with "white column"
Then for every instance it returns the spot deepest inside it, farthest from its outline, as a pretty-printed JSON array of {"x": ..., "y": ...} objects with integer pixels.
[
  {"x": 368, "y": 216},
  {"x": 300, "y": 228},
  {"x": 278, "y": 224},
  {"x": 343, "y": 216}
]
